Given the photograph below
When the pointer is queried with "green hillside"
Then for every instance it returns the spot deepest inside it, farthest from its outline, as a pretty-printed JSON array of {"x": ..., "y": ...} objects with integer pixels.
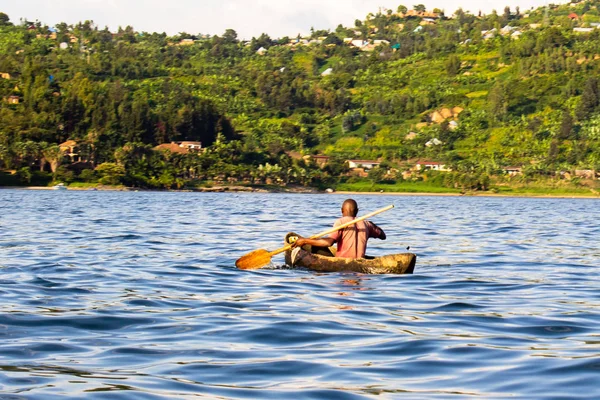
[{"x": 475, "y": 93}]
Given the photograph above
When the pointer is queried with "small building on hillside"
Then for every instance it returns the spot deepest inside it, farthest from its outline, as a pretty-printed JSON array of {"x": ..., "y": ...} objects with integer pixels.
[
  {"x": 327, "y": 72},
  {"x": 192, "y": 146},
  {"x": 585, "y": 173},
  {"x": 13, "y": 100},
  {"x": 513, "y": 171},
  {"x": 432, "y": 166},
  {"x": 70, "y": 149},
  {"x": 411, "y": 136},
  {"x": 180, "y": 147},
  {"x": 433, "y": 142},
  {"x": 320, "y": 160},
  {"x": 507, "y": 29},
  {"x": 366, "y": 164},
  {"x": 583, "y": 30},
  {"x": 360, "y": 172},
  {"x": 357, "y": 43},
  {"x": 261, "y": 52},
  {"x": 378, "y": 42},
  {"x": 4, "y": 75},
  {"x": 294, "y": 155}
]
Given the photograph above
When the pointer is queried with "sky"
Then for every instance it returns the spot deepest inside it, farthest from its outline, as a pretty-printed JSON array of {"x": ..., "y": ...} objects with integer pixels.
[{"x": 277, "y": 18}]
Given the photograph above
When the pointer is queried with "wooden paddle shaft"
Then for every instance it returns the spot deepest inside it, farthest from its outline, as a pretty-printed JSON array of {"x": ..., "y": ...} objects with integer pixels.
[{"x": 337, "y": 228}]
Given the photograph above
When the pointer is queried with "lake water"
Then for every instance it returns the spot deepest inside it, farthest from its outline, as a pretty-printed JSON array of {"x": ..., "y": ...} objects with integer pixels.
[{"x": 107, "y": 295}]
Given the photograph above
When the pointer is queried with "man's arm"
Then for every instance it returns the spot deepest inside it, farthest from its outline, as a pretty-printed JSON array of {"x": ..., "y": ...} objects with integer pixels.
[
  {"x": 376, "y": 232},
  {"x": 323, "y": 242}
]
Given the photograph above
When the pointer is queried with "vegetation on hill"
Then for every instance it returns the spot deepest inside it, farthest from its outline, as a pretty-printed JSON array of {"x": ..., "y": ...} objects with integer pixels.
[{"x": 478, "y": 93}]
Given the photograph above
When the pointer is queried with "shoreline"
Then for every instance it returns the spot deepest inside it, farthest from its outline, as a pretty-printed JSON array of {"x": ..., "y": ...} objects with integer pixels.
[
  {"x": 300, "y": 190},
  {"x": 474, "y": 194}
]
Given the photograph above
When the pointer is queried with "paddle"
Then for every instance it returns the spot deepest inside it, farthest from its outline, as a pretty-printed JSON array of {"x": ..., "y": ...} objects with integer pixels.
[{"x": 259, "y": 258}]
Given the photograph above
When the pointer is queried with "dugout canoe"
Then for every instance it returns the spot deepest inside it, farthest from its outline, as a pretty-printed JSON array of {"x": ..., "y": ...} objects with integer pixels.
[{"x": 390, "y": 264}]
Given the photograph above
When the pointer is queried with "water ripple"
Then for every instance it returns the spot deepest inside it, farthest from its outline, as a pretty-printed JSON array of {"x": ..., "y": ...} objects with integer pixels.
[{"x": 135, "y": 295}]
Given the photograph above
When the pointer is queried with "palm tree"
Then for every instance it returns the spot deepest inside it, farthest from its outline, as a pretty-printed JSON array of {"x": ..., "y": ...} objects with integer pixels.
[{"x": 54, "y": 155}]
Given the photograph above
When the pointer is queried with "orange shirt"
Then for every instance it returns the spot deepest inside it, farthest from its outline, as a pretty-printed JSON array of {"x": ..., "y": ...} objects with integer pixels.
[{"x": 352, "y": 241}]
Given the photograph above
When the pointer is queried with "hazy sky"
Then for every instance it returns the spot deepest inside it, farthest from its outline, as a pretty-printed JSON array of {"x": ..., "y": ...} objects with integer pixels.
[{"x": 249, "y": 18}]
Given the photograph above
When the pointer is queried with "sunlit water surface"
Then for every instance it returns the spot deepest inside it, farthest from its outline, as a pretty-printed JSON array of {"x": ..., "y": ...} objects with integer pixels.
[{"x": 135, "y": 295}]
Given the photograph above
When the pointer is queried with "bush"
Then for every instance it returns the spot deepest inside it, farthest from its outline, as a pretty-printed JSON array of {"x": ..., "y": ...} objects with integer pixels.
[
  {"x": 110, "y": 173},
  {"x": 87, "y": 175},
  {"x": 41, "y": 178},
  {"x": 63, "y": 174},
  {"x": 24, "y": 175},
  {"x": 376, "y": 174}
]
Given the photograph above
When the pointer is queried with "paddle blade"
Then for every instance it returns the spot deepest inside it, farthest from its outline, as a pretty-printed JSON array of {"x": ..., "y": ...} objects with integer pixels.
[{"x": 255, "y": 260}]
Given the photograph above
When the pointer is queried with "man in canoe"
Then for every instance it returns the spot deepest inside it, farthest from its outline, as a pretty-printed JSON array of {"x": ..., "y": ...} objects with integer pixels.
[{"x": 351, "y": 241}]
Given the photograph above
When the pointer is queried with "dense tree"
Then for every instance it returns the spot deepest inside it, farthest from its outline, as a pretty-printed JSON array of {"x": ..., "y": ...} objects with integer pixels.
[
  {"x": 4, "y": 19},
  {"x": 452, "y": 65},
  {"x": 590, "y": 99},
  {"x": 119, "y": 95}
]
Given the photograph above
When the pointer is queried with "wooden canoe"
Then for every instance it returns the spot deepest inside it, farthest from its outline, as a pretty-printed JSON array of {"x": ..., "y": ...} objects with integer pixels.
[{"x": 390, "y": 264}]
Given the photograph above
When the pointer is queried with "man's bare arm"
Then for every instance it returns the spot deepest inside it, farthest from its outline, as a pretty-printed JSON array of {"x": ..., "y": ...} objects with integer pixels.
[
  {"x": 382, "y": 236},
  {"x": 323, "y": 242}
]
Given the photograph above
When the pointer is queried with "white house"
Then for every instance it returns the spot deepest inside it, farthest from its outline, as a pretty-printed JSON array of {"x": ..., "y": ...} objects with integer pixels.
[
  {"x": 507, "y": 29},
  {"x": 433, "y": 142},
  {"x": 327, "y": 72},
  {"x": 512, "y": 171},
  {"x": 358, "y": 42},
  {"x": 366, "y": 164},
  {"x": 261, "y": 51},
  {"x": 431, "y": 165},
  {"x": 191, "y": 145},
  {"x": 380, "y": 42},
  {"x": 489, "y": 34}
]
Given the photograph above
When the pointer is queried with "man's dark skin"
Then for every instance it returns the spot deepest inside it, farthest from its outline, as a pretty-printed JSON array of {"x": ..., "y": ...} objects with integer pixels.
[{"x": 349, "y": 209}]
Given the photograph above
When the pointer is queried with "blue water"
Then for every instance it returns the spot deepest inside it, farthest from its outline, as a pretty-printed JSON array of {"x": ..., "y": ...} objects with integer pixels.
[{"x": 135, "y": 295}]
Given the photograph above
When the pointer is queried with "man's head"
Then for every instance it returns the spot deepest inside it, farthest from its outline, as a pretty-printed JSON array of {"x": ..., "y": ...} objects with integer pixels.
[{"x": 349, "y": 208}]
